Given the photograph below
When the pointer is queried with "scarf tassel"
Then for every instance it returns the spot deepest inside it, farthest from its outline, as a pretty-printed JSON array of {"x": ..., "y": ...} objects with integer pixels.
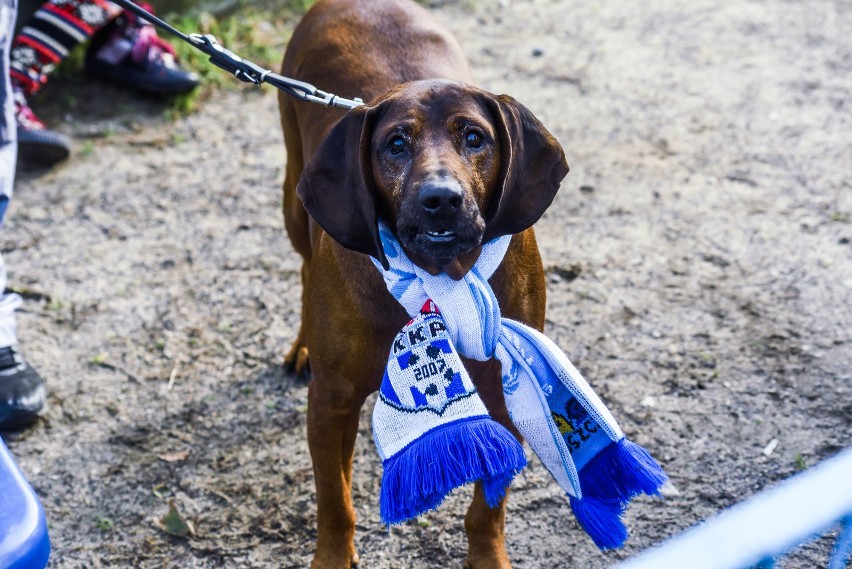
[
  {"x": 601, "y": 519},
  {"x": 609, "y": 481},
  {"x": 418, "y": 478}
]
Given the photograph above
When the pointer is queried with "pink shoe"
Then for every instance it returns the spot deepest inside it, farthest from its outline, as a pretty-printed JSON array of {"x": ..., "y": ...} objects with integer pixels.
[{"x": 128, "y": 50}]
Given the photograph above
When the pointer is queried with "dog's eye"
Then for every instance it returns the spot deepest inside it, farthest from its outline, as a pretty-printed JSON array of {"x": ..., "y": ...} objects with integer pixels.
[
  {"x": 473, "y": 139},
  {"x": 396, "y": 145}
]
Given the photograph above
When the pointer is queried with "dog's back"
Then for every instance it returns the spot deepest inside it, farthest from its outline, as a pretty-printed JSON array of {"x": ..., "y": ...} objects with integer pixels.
[
  {"x": 370, "y": 46},
  {"x": 354, "y": 48}
]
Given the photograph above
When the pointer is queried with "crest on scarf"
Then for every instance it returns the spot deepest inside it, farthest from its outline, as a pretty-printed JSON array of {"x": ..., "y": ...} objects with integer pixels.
[{"x": 424, "y": 371}]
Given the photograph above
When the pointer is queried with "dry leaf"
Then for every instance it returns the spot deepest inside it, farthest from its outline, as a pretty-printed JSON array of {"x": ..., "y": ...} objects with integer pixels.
[{"x": 177, "y": 456}]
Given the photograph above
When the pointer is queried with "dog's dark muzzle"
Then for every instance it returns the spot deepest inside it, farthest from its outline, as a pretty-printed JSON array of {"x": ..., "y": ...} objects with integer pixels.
[
  {"x": 442, "y": 221},
  {"x": 440, "y": 203}
]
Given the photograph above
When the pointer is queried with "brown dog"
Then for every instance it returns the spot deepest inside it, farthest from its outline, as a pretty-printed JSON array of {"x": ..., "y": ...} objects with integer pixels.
[{"x": 448, "y": 167}]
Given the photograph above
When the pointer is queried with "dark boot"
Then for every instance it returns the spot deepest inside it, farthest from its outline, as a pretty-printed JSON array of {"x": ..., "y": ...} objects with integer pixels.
[
  {"x": 37, "y": 146},
  {"x": 22, "y": 391}
]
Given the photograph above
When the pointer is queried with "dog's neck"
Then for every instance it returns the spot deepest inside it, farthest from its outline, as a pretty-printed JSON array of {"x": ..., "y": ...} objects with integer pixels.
[{"x": 456, "y": 269}]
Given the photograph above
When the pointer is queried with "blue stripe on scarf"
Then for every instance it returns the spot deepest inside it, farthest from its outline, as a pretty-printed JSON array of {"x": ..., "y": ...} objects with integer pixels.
[
  {"x": 488, "y": 308},
  {"x": 405, "y": 279}
]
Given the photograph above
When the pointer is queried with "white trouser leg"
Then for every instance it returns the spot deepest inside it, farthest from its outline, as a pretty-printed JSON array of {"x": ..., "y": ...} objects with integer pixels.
[
  {"x": 8, "y": 158},
  {"x": 8, "y": 304}
]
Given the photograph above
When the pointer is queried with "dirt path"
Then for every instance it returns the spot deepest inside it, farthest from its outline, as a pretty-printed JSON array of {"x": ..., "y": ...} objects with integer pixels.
[{"x": 700, "y": 276}]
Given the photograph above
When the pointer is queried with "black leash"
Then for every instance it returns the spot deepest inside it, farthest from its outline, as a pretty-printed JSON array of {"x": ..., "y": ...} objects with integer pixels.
[{"x": 242, "y": 69}]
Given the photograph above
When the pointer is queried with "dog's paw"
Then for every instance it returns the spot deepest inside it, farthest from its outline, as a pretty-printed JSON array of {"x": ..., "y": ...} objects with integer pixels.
[
  {"x": 324, "y": 562},
  {"x": 296, "y": 361},
  {"x": 488, "y": 562}
]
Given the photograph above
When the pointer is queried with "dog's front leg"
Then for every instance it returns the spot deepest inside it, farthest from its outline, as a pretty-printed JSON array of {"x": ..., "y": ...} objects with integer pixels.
[
  {"x": 485, "y": 526},
  {"x": 332, "y": 428}
]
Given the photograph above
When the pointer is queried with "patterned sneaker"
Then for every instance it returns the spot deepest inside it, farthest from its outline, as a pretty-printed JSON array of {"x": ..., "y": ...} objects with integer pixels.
[
  {"x": 128, "y": 50},
  {"x": 37, "y": 145},
  {"x": 22, "y": 391}
]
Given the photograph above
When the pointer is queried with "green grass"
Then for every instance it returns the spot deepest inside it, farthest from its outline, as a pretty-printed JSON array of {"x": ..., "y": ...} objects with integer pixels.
[
  {"x": 98, "y": 359},
  {"x": 87, "y": 149},
  {"x": 103, "y": 523},
  {"x": 256, "y": 35}
]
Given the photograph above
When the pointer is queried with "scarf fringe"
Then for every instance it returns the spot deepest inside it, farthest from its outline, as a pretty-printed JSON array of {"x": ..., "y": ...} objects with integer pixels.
[
  {"x": 637, "y": 469},
  {"x": 602, "y": 521},
  {"x": 621, "y": 471},
  {"x": 609, "y": 481},
  {"x": 418, "y": 478}
]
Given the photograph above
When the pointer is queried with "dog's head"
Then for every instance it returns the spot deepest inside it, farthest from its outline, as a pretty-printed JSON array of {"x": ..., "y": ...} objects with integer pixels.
[{"x": 447, "y": 166}]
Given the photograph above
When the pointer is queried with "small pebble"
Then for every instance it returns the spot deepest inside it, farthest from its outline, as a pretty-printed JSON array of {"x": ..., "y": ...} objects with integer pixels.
[{"x": 770, "y": 448}]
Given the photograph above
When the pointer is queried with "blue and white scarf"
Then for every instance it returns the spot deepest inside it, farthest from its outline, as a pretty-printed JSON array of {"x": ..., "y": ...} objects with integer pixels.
[{"x": 434, "y": 434}]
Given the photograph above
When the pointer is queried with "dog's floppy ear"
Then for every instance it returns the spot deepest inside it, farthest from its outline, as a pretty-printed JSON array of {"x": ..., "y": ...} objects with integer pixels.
[
  {"x": 532, "y": 164},
  {"x": 336, "y": 186}
]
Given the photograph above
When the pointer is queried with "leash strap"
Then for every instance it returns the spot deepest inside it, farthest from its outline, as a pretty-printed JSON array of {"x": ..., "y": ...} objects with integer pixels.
[{"x": 242, "y": 69}]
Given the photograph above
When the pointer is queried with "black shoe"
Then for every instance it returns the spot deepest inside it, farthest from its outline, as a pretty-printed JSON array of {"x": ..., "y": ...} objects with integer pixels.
[
  {"x": 129, "y": 51},
  {"x": 22, "y": 391},
  {"x": 37, "y": 146}
]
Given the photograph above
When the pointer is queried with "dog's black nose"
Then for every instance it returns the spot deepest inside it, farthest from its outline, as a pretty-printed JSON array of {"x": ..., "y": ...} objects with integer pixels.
[{"x": 442, "y": 198}]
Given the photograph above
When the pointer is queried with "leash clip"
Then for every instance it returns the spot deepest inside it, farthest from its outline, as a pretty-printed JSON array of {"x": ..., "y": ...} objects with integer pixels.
[
  {"x": 332, "y": 100},
  {"x": 228, "y": 60}
]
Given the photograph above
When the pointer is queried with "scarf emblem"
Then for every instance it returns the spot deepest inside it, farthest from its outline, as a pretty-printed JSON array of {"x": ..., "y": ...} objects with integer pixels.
[{"x": 424, "y": 372}]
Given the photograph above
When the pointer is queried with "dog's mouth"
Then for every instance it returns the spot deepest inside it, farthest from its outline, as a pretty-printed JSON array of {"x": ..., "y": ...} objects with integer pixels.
[
  {"x": 440, "y": 236},
  {"x": 438, "y": 223},
  {"x": 440, "y": 245}
]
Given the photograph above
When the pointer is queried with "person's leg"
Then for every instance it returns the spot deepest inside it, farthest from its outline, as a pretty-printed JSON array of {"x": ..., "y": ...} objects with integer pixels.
[
  {"x": 49, "y": 36},
  {"x": 124, "y": 48},
  {"x": 44, "y": 41},
  {"x": 22, "y": 391},
  {"x": 8, "y": 131}
]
